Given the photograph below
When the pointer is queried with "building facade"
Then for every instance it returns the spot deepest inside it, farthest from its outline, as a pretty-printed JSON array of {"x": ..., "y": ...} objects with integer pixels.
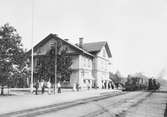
[
  {"x": 101, "y": 62},
  {"x": 90, "y": 61}
]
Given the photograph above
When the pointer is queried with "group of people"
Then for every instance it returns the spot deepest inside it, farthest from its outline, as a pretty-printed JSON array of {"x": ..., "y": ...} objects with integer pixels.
[
  {"x": 108, "y": 85},
  {"x": 43, "y": 84},
  {"x": 77, "y": 86}
]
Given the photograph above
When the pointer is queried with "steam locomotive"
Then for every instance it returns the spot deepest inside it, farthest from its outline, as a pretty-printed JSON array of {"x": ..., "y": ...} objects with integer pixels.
[{"x": 137, "y": 83}]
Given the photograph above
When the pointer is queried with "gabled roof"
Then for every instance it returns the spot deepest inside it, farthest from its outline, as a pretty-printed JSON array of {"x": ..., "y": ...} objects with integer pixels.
[
  {"x": 88, "y": 48},
  {"x": 54, "y": 36},
  {"x": 95, "y": 47}
]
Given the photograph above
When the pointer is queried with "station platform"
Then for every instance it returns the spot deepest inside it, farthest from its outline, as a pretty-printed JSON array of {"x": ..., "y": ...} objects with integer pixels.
[{"x": 25, "y": 100}]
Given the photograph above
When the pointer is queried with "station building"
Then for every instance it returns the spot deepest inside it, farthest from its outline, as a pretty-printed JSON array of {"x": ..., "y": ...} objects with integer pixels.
[{"x": 90, "y": 61}]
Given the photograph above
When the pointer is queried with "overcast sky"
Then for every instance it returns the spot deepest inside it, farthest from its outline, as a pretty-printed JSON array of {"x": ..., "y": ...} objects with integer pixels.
[{"x": 136, "y": 30}]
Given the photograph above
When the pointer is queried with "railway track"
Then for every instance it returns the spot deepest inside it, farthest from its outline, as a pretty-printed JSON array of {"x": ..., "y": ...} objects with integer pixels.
[
  {"x": 111, "y": 107},
  {"x": 57, "y": 107}
]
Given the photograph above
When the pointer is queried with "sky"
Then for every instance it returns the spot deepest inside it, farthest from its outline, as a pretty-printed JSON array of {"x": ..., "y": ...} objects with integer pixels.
[{"x": 134, "y": 29}]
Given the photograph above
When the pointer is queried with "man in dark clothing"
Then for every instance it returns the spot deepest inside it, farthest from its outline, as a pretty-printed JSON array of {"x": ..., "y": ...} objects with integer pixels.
[
  {"x": 77, "y": 87},
  {"x": 36, "y": 87},
  {"x": 43, "y": 86},
  {"x": 59, "y": 87}
]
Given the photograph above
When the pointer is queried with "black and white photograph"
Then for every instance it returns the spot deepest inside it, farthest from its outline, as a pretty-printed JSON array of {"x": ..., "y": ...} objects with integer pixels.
[{"x": 83, "y": 58}]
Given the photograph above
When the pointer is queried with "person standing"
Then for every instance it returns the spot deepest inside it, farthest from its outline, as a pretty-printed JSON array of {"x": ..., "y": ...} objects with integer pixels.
[
  {"x": 59, "y": 87},
  {"x": 74, "y": 86},
  {"x": 88, "y": 85},
  {"x": 77, "y": 86},
  {"x": 49, "y": 87},
  {"x": 36, "y": 87},
  {"x": 43, "y": 86}
]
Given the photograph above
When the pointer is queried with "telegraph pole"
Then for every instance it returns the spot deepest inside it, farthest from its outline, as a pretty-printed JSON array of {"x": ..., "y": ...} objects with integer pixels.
[
  {"x": 55, "y": 45},
  {"x": 32, "y": 50}
]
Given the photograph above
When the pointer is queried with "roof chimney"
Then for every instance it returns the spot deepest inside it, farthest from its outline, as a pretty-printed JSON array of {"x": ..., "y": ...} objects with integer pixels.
[
  {"x": 66, "y": 40},
  {"x": 81, "y": 42}
]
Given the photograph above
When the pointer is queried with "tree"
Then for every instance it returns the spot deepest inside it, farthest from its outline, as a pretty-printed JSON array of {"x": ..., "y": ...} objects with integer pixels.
[
  {"x": 46, "y": 66},
  {"x": 11, "y": 53},
  {"x": 116, "y": 78},
  {"x": 20, "y": 78},
  {"x": 64, "y": 61}
]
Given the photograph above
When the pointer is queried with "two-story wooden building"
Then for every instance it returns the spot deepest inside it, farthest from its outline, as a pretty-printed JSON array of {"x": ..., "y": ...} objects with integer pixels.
[{"x": 90, "y": 61}]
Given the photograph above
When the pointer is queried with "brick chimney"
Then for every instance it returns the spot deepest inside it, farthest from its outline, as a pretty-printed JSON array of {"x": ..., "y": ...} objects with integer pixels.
[
  {"x": 81, "y": 42},
  {"x": 66, "y": 40}
]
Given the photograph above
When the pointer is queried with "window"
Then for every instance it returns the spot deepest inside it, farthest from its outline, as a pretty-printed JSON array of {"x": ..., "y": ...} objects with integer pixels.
[
  {"x": 89, "y": 61},
  {"x": 102, "y": 65},
  {"x": 104, "y": 54},
  {"x": 38, "y": 61},
  {"x": 52, "y": 52},
  {"x": 84, "y": 62},
  {"x": 106, "y": 67},
  {"x": 38, "y": 51}
]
